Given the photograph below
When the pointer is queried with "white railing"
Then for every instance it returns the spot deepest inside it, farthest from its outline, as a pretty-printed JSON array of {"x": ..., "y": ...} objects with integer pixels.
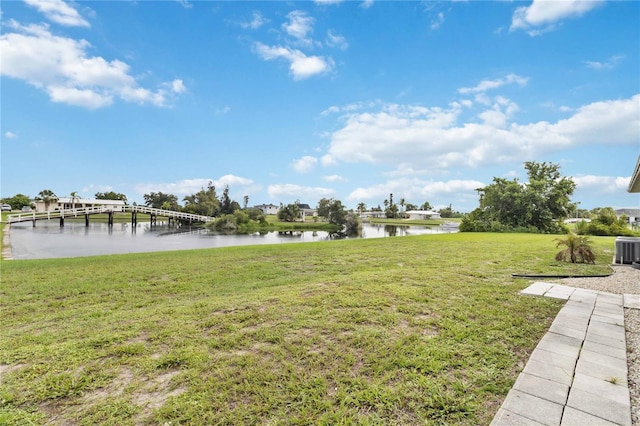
[
  {"x": 56, "y": 214},
  {"x": 170, "y": 213}
]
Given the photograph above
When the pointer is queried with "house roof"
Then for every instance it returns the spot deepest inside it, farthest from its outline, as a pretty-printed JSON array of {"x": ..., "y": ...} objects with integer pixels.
[
  {"x": 634, "y": 184},
  {"x": 628, "y": 212}
]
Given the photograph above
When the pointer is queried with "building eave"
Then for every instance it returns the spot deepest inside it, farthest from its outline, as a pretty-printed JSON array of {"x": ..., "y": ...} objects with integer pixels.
[{"x": 634, "y": 184}]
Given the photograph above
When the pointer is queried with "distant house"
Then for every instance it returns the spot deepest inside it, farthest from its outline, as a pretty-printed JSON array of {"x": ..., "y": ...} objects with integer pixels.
[
  {"x": 422, "y": 214},
  {"x": 306, "y": 210},
  {"x": 373, "y": 214},
  {"x": 66, "y": 203},
  {"x": 633, "y": 215},
  {"x": 267, "y": 208},
  {"x": 577, "y": 220}
]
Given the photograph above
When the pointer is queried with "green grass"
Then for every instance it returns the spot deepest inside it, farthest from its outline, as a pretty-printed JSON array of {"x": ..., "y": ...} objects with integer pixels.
[
  {"x": 410, "y": 222},
  {"x": 411, "y": 330}
]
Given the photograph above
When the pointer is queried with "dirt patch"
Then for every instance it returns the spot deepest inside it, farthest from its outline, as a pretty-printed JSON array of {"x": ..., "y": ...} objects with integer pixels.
[
  {"x": 7, "y": 369},
  {"x": 155, "y": 394},
  {"x": 115, "y": 388},
  {"x": 56, "y": 413},
  {"x": 148, "y": 393}
]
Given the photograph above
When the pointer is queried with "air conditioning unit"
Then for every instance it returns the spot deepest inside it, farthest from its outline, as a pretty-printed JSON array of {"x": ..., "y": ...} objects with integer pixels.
[{"x": 627, "y": 250}]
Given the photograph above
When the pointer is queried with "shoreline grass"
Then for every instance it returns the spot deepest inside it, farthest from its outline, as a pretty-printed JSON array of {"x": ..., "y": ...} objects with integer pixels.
[{"x": 425, "y": 329}]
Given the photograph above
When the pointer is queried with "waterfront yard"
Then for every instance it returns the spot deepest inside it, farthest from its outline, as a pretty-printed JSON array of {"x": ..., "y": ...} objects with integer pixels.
[{"x": 411, "y": 330}]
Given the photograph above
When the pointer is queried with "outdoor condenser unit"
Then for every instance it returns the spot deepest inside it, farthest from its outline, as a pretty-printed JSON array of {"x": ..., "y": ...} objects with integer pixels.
[{"x": 627, "y": 250}]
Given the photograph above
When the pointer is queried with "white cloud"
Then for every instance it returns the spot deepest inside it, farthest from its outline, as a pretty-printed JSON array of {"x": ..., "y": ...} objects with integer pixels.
[
  {"x": 334, "y": 178},
  {"x": 177, "y": 86},
  {"x": 608, "y": 64},
  {"x": 437, "y": 21},
  {"x": 256, "y": 22},
  {"x": 366, "y": 4},
  {"x": 61, "y": 67},
  {"x": 186, "y": 4},
  {"x": 349, "y": 107},
  {"x": 223, "y": 110},
  {"x": 10, "y": 135},
  {"x": 328, "y": 2},
  {"x": 232, "y": 181},
  {"x": 605, "y": 122},
  {"x": 299, "y": 26},
  {"x": 502, "y": 110},
  {"x": 486, "y": 85},
  {"x": 85, "y": 98},
  {"x": 335, "y": 40},
  {"x": 297, "y": 192},
  {"x": 547, "y": 13},
  {"x": 433, "y": 138},
  {"x": 182, "y": 188},
  {"x": 328, "y": 160},
  {"x": 301, "y": 65},
  {"x": 602, "y": 184},
  {"x": 59, "y": 12},
  {"x": 304, "y": 164},
  {"x": 417, "y": 190}
]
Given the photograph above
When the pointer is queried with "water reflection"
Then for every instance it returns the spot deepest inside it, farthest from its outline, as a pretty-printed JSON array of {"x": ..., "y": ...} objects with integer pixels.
[{"x": 48, "y": 240}]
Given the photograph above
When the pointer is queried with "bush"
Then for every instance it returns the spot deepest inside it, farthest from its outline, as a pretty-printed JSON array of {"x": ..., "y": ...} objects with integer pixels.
[
  {"x": 577, "y": 248},
  {"x": 606, "y": 223},
  {"x": 582, "y": 227}
]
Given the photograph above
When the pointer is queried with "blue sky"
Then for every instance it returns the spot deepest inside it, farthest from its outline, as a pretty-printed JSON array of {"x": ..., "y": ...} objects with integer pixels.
[{"x": 286, "y": 101}]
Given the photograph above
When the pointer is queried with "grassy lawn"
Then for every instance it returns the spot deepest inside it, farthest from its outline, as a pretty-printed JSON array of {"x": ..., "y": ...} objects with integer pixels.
[
  {"x": 407, "y": 222},
  {"x": 411, "y": 330}
]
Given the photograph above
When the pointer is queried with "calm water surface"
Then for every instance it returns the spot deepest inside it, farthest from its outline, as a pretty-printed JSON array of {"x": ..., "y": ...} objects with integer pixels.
[{"x": 49, "y": 240}]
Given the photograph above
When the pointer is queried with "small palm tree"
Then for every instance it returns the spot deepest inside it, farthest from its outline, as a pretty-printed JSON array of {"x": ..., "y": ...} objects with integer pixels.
[
  {"x": 47, "y": 196},
  {"x": 577, "y": 248},
  {"x": 74, "y": 197}
]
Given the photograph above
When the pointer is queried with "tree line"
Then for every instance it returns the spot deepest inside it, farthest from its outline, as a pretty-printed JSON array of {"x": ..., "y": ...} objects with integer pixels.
[
  {"x": 539, "y": 205},
  {"x": 18, "y": 201}
]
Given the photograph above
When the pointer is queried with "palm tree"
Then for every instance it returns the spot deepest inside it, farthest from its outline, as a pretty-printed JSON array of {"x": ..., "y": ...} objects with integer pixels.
[
  {"x": 577, "y": 247},
  {"x": 246, "y": 201},
  {"x": 361, "y": 207},
  {"x": 47, "y": 196},
  {"x": 74, "y": 197}
]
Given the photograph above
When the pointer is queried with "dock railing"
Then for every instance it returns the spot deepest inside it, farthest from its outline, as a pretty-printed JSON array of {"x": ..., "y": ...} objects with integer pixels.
[{"x": 69, "y": 213}]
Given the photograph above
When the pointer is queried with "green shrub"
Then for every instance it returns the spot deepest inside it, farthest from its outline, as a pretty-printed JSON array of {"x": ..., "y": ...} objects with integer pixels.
[{"x": 577, "y": 249}]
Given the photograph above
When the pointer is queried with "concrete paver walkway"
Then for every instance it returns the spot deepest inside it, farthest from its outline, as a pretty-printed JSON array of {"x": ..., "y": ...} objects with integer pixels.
[{"x": 577, "y": 375}]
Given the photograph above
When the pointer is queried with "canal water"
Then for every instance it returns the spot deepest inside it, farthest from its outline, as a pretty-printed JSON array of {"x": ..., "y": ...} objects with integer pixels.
[{"x": 48, "y": 240}]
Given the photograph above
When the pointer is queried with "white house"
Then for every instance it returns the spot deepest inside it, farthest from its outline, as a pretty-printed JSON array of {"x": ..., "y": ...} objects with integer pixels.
[
  {"x": 633, "y": 215},
  {"x": 267, "y": 208},
  {"x": 373, "y": 214},
  {"x": 66, "y": 203},
  {"x": 422, "y": 214},
  {"x": 306, "y": 210}
]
